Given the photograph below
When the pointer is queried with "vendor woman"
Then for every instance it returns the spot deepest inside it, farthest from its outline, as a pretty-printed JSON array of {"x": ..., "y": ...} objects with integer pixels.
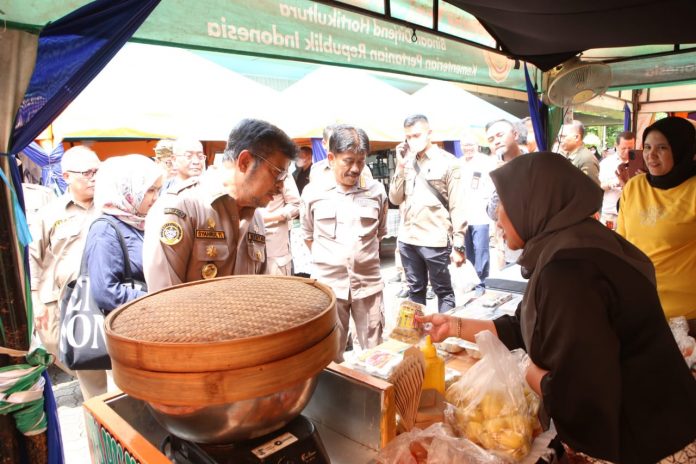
[{"x": 603, "y": 358}]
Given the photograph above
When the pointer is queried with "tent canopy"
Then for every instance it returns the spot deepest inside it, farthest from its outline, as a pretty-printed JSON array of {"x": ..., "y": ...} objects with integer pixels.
[
  {"x": 451, "y": 109},
  {"x": 148, "y": 91}
]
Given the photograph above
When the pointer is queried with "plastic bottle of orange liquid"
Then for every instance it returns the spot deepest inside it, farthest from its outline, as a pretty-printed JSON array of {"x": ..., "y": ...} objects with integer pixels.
[{"x": 434, "y": 367}]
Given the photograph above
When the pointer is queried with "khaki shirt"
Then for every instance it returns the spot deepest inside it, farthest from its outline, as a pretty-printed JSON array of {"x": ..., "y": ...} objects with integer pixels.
[
  {"x": 583, "y": 159},
  {"x": 424, "y": 220},
  {"x": 345, "y": 229},
  {"x": 193, "y": 232},
  {"x": 286, "y": 203},
  {"x": 59, "y": 230}
]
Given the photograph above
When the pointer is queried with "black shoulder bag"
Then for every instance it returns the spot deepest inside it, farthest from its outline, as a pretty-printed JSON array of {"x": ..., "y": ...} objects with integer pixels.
[{"x": 82, "y": 342}]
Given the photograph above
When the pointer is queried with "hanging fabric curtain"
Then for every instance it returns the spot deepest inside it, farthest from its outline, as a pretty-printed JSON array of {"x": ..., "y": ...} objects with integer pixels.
[
  {"x": 318, "y": 152},
  {"x": 535, "y": 111},
  {"x": 71, "y": 52},
  {"x": 627, "y": 117},
  {"x": 51, "y": 172},
  {"x": 453, "y": 147}
]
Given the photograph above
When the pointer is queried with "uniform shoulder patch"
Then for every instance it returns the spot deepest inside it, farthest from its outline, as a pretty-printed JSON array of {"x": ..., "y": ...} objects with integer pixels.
[
  {"x": 171, "y": 233},
  {"x": 176, "y": 212}
]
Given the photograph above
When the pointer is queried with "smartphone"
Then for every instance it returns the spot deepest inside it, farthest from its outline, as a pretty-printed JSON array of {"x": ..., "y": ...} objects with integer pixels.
[
  {"x": 636, "y": 163},
  {"x": 475, "y": 181}
]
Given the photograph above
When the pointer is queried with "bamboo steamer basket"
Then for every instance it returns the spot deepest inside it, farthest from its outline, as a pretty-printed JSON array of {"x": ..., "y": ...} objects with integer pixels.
[
  {"x": 226, "y": 386},
  {"x": 225, "y": 324}
]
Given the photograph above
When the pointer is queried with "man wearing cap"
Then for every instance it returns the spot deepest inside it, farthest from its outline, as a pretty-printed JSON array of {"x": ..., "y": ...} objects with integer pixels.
[
  {"x": 164, "y": 157},
  {"x": 59, "y": 232},
  {"x": 343, "y": 220},
  {"x": 210, "y": 226}
]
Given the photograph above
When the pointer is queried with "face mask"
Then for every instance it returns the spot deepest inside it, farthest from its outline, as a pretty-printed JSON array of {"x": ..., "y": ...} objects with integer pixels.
[{"x": 417, "y": 145}]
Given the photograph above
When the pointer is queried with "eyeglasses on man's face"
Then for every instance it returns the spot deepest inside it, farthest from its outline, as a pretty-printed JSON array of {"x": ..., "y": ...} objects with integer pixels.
[
  {"x": 190, "y": 155},
  {"x": 282, "y": 173},
  {"x": 86, "y": 174}
]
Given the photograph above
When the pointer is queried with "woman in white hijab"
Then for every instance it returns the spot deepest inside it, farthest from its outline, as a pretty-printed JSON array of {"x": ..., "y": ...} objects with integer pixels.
[{"x": 126, "y": 187}]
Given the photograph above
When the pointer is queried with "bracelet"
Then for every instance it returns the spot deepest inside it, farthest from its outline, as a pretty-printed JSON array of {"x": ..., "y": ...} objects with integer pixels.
[{"x": 459, "y": 327}]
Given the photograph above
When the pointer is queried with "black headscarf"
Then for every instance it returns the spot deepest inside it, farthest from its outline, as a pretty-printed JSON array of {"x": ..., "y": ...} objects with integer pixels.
[
  {"x": 681, "y": 136},
  {"x": 550, "y": 202}
]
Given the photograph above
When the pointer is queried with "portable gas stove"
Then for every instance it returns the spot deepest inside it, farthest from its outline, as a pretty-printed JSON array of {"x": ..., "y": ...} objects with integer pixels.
[{"x": 297, "y": 442}]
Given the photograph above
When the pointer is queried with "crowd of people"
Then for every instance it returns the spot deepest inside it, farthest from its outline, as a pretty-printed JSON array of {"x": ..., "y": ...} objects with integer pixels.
[{"x": 593, "y": 320}]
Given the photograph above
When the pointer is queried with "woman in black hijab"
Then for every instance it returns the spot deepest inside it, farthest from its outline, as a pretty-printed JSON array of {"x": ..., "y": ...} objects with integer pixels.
[
  {"x": 657, "y": 213},
  {"x": 604, "y": 360}
]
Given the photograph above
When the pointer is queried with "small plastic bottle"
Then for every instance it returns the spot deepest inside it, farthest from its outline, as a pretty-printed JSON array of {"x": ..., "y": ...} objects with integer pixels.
[{"x": 434, "y": 367}]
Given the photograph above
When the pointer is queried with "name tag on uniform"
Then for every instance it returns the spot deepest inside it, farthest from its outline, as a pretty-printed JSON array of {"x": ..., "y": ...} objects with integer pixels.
[
  {"x": 176, "y": 212},
  {"x": 258, "y": 238},
  {"x": 214, "y": 234}
]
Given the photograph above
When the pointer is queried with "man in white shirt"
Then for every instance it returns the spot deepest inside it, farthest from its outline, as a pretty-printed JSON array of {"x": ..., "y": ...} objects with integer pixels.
[
  {"x": 610, "y": 182},
  {"x": 476, "y": 182}
]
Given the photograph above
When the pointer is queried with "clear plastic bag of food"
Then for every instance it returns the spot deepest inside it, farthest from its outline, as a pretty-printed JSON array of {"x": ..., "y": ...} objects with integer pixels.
[
  {"x": 686, "y": 343},
  {"x": 435, "y": 445},
  {"x": 406, "y": 329},
  {"x": 492, "y": 403}
]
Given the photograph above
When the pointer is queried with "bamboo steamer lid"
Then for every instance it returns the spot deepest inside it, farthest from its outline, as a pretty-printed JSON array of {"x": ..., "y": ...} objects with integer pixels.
[
  {"x": 226, "y": 386},
  {"x": 221, "y": 324}
]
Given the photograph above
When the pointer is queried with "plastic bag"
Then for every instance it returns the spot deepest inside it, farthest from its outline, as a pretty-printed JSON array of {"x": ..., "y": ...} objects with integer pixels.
[
  {"x": 492, "y": 403},
  {"x": 434, "y": 445},
  {"x": 686, "y": 343},
  {"x": 406, "y": 329}
]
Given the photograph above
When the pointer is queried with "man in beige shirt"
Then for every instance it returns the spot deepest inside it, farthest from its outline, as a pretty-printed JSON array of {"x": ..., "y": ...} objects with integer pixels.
[
  {"x": 188, "y": 162},
  {"x": 59, "y": 230},
  {"x": 433, "y": 222},
  {"x": 573, "y": 148},
  {"x": 277, "y": 216},
  {"x": 343, "y": 222},
  {"x": 209, "y": 227},
  {"x": 321, "y": 169}
]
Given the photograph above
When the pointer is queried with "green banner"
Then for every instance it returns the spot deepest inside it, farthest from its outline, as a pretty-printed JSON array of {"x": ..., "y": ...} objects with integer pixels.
[
  {"x": 646, "y": 72},
  {"x": 308, "y": 31}
]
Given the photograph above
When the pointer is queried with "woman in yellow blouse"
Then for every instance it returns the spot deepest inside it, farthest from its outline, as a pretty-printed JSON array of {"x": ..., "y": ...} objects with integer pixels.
[{"x": 658, "y": 212}]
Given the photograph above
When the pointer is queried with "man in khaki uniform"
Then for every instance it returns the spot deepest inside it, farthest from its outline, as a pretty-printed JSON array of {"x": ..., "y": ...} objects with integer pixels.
[
  {"x": 277, "y": 216},
  {"x": 343, "y": 222},
  {"x": 59, "y": 230},
  {"x": 209, "y": 227},
  {"x": 433, "y": 223},
  {"x": 321, "y": 169},
  {"x": 164, "y": 156},
  {"x": 574, "y": 149}
]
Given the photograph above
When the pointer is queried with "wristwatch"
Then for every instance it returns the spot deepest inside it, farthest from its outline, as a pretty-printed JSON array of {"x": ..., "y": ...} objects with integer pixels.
[{"x": 460, "y": 249}]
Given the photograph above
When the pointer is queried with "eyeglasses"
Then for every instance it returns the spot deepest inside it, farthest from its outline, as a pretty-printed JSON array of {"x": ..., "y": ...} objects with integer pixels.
[
  {"x": 282, "y": 173},
  {"x": 189, "y": 155},
  {"x": 86, "y": 174}
]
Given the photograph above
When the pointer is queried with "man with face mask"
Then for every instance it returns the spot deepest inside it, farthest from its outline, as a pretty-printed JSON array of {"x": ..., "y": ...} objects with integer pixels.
[
  {"x": 59, "y": 232},
  {"x": 433, "y": 223},
  {"x": 211, "y": 227},
  {"x": 343, "y": 221}
]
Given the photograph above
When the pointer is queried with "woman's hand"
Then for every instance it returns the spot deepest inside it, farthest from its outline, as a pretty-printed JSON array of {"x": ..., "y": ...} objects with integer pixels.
[{"x": 443, "y": 326}]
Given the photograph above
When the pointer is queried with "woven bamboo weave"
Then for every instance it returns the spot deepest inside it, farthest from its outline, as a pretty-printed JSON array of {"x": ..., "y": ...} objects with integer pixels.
[{"x": 220, "y": 310}]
